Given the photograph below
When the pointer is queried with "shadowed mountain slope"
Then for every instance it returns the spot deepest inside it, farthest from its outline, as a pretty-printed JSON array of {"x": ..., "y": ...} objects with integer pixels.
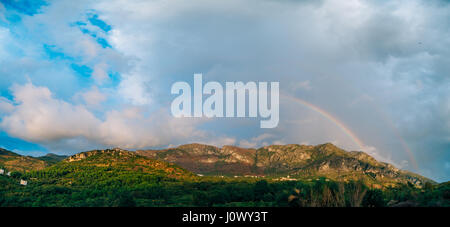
[{"x": 299, "y": 161}]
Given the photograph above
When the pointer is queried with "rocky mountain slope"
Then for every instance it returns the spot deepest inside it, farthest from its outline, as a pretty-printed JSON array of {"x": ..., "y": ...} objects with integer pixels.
[
  {"x": 284, "y": 162},
  {"x": 15, "y": 162},
  {"x": 51, "y": 158},
  {"x": 297, "y": 161},
  {"x": 205, "y": 159},
  {"x": 123, "y": 161}
]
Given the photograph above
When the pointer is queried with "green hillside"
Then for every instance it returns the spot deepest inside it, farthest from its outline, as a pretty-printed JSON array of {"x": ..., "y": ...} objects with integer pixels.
[
  {"x": 52, "y": 158},
  {"x": 117, "y": 177},
  {"x": 15, "y": 162}
]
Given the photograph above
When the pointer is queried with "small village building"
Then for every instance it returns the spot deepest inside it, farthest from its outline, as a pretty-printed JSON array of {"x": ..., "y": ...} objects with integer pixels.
[
  {"x": 2, "y": 171},
  {"x": 23, "y": 182}
]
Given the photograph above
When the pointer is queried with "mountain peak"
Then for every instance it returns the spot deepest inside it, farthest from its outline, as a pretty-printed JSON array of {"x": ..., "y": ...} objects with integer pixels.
[
  {"x": 16, "y": 162},
  {"x": 329, "y": 147},
  {"x": 87, "y": 154},
  {"x": 7, "y": 152},
  {"x": 301, "y": 161}
]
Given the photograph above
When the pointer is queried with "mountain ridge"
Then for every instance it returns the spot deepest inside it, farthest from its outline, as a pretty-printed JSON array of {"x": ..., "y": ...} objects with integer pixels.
[
  {"x": 293, "y": 160},
  {"x": 17, "y": 162},
  {"x": 117, "y": 177}
]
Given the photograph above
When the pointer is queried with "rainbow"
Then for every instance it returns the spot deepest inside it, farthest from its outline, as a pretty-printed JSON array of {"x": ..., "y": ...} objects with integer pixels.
[
  {"x": 345, "y": 129},
  {"x": 328, "y": 116},
  {"x": 400, "y": 138}
]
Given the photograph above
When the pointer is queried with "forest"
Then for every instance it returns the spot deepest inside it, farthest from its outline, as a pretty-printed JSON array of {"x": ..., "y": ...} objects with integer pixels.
[{"x": 71, "y": 185}]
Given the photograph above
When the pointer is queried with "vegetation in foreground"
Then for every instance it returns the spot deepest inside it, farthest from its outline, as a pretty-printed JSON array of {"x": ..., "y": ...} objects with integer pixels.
[{"x": 126, "y": 179}]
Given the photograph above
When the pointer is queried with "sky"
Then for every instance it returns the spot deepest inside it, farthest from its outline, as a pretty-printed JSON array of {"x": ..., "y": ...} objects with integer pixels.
[{"x": 365, "y": 75}]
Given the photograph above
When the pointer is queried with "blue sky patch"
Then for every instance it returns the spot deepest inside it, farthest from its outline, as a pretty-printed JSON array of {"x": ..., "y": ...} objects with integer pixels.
[
  {"x": 28, "y": 7},
  {"x": 54, "y": 53},
  {"x": 10, "y": 143},
  {"x": 103, "y": 42},
  {"x": 99, "y": 23},
  {"x": 93, "y": 20},
  {"x": 82, "y": 70}
]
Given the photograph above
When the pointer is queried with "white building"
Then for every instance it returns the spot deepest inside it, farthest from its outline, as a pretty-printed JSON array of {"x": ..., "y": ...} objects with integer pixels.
[
  {"x": 23, "y": 182},
  {"x": 2, "y": 171},
  {"x": 9, "y": 174}
]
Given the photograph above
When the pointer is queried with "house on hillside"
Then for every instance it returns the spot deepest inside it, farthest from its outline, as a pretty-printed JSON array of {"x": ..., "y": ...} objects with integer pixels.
[
  {"x": 8, "y": 174},
  {"x": 2, "y": 171},
  {"x": 23, "y": 182}
]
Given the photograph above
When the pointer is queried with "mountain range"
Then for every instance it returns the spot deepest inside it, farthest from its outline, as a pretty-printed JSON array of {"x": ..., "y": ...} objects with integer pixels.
[
  {"x": 293, "y": 160},
  {"x": 283, "y": 162}
]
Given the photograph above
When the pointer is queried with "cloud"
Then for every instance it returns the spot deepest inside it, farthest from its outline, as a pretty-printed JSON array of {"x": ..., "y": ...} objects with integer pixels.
[
  {"x": 100, "y": 72},
  {"x": 306, "y": 85},
  {"x": 364, "y": 59},
  {"x": 218, "y": 141},
  {"x": 133, "y": 88},
  {"x": 38, "y": 110},
  {"x": 4, "y": 37},
  {"x": 256, "y": 142},
  {"x": 74, "y": 126},
  {"x": 92, "y": 97},
  {"x": 379, "y": 68},
  {"x": 5, "y": 106},
  {"x": 2, "y": 13}
]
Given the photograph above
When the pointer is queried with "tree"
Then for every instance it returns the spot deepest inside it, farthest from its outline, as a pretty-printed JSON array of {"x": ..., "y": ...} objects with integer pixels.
[
  {"x": 428, "y": 186},
  {"x": 356, "y": 192},
  {"x": 295, "y": 198},
  {"x": 126, "y": 200},
  {"x": 373, "y": 198},
  {"x": 16, "y": 175},
  {"x": 261, "y": 188}
]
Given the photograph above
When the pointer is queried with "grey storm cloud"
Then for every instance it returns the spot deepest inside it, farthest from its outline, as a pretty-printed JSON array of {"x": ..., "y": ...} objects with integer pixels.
[{"x": 381, "y": 68}]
